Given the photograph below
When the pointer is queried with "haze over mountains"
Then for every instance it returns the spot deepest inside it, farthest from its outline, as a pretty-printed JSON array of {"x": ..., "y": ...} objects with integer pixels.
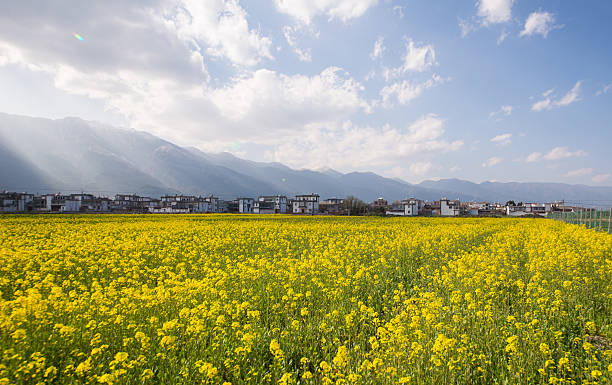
[{"x": 69, "y": 155}]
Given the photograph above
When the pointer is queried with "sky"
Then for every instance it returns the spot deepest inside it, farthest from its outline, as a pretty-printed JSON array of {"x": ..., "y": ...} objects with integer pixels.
[{"x": 498, "y": 90}]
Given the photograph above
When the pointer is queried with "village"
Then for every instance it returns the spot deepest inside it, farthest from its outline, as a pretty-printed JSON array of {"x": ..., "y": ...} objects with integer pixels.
[{"x": 306, "y": 204}]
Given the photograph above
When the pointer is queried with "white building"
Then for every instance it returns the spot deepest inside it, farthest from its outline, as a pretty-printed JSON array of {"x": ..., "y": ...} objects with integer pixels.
[
  {"x": 271, "y": 204},
  {"x": 541, "y": 209},
  {"x": 306, "y": 204},
  {"x": 449, "y": 208},
  {"x": 413, "y": 207},
  {"x": 245, "y": 205},
  {"x": 211, "y": 204},
  {"x": 408, "y": 208},
  {"x": 15, "y": 202}
]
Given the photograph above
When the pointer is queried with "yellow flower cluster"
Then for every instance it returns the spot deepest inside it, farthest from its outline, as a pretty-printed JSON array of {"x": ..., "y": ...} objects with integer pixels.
[{"x": 230, "y": 299}]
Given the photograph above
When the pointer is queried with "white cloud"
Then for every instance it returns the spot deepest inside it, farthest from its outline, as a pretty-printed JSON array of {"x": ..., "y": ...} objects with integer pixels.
[
  {"x": 489, "y": 12},
  {"x": 455, "y": 169},
  {"x": 222, "y": 26},
  {"x": 466, "y": 27},
  {"x": 495, "y": 11},
  {"x": 502, "y": 37},
  {"x": 540, "y": 23},
  {"x": 534, "y": 157},
  {"x": 562, "y": 153},
  {"x": 276, "y": 101},
  {"x": 153, "y": 71},
  {"x": 418, "y": 57},
  {"x": 420, "y": 168},
  {"x": 303, "y": 54},
  {"x": 379, "y": 48},
  {"x": 571, "y": 97},
  {"x": 579, "y": 172},
  {"x": 601, "y": 178},
  {"x": 548, "y": 103},
  {"x": 406, "y": 91},
  {"x": 400, "y": 10},
  {"x": 492, "y": 161},
  {"x": 544, "y": 104},
  {"x": 502, "y": 140},
  {"x": 604, "y": 90},
  {"x": 503, "y": 111},
  {"x": 555, "y": 154},
  {"x": 305, "y": 10},
  {"x": 352, "y": 147}
]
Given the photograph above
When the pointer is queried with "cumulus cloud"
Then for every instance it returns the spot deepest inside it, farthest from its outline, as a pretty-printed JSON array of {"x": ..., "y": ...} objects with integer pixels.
[
  {"x": 281, "y": 102},
  {"x": 303, "y": 54},
  {"x": 419, "y": 57},
  {"x": 222, "y": 26},
  {"x": 149, "y": 43},
  {"x": 492, "y": 161},
  {"x": 540, "y": 23},
  {"x": 152, "y": 69},
  {"x": 305, "y": 10},
  {"x": 554, "y": 154},
  {"x": 379, "y": 48},
  {"x": 502, "y": 140},
  {"x": 352, "y": 147},
  {"x": 495, "y": 11},
  {"x": 405, "y": 91},
  {"x": 488, "y": 12},
  {"x": 503, "y": 111},
  {"x": 549, "y": 102},
  {"x": 150, "y": 62},
  {"x": 579, "y": 172}
]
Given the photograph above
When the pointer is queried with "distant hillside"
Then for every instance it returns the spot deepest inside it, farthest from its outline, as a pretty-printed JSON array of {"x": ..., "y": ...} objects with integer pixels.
[
  {"x": 498, "y": 191},
  {"x": 44, "y": 155}
]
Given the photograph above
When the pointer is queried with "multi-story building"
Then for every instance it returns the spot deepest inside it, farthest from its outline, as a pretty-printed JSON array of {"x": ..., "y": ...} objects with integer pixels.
[
  {"x": 306, "y": 204},
  {"x": 271, "y": 204},
  {"x": 332, "y": 206},
  {"x": 407, "y": 208},
  {"x": 449, "y": 208},
  {"x": 15, "y": 202},
  {"x": 245, "y": 205},
  {"x": 134, "y": 203}
]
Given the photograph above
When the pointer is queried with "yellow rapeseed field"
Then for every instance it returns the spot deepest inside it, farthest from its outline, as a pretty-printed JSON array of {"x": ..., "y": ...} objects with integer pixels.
[{"x": 218, "y": 299}]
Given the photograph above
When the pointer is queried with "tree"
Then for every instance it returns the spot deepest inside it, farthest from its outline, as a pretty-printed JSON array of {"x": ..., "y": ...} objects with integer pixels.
[
  {"x": 355, "y": 206},
  {"x": 510, "y": 203}
]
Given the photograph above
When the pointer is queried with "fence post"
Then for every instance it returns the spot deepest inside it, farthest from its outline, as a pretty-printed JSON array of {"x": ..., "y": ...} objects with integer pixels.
[
  {"x": 590, "y": 217},
  {"x": 609, "y": 220},
  {"x": 600, "y": 219}
]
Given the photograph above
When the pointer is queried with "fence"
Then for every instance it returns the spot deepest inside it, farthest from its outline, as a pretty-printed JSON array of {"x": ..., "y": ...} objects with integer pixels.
[{"x": 599, "y": 219}]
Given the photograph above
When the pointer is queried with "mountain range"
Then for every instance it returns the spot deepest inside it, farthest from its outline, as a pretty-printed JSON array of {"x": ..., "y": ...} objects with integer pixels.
[{"x": 71, "y": 154}]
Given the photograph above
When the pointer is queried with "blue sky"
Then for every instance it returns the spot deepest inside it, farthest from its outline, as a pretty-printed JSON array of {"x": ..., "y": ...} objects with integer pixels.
[{"x": 480, "y": 90}]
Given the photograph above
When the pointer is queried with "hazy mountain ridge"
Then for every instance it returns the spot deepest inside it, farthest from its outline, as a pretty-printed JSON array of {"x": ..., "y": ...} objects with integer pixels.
[
  {"x": 43, "y": 155},
  {"x": 524, "y": 191}
]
